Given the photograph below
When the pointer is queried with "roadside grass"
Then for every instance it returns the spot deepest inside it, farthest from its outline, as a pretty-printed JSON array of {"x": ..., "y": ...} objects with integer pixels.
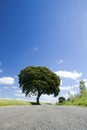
[
  {"x": 6, "y": 102},
  {"x": 9, "y": 102},
  {"x": 78, "y": 100}
]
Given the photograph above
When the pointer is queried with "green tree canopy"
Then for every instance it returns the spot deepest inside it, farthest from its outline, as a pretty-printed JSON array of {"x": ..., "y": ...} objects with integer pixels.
[{"x": 38, "y": 80}]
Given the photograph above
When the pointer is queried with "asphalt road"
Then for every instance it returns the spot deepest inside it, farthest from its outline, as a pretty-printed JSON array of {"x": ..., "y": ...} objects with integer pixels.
[{"x": 43, "y": 118}]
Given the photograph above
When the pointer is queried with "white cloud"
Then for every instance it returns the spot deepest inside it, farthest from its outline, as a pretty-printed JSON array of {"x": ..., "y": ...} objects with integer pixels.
[
  {"x": 60, "y": 61},
  {"x": 66, "y": 96},
  {"x": 67, "y": 74},
  {"x": 61, "y": 82},
  {"x": 69, "y": 88},
  {"x": 49, "y": 99},
  {"x": 7, "y": 98},
  {"x": 18, "y": 91},
  {"x": 14, "y": 87},
  {"x": 5, "y": 87},
  {"x": 7, "y": 80},
  {"x": 66, "y": 91},
  {"x": 86, "y": 84},
  {"x": 19, "y": 94},
  {"x": 73, "y": 92}
]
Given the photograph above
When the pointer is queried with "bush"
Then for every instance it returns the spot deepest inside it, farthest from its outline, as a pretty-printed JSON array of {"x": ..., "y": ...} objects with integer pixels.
[{"x": 61, "y": 99}]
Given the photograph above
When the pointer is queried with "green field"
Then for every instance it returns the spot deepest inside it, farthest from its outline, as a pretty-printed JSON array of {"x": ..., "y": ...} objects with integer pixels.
[
  {"x": 9, "y": 102},
  {"x": 6, "y": 102}
]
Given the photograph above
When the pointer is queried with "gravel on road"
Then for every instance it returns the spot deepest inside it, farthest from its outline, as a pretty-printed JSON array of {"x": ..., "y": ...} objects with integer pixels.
[{"x": 43, "y": 117}]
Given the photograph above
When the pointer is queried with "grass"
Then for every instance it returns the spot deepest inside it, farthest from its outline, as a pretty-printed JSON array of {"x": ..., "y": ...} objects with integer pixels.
[
  {"x": 78, "y": 100},
  {"x": 6, "y": 102}
]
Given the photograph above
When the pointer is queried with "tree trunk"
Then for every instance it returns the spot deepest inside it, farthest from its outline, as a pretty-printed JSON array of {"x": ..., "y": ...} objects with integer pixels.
[{"x": 38, "y": 98}]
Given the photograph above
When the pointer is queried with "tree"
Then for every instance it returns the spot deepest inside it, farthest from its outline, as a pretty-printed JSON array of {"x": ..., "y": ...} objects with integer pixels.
[
  {"x": 61, "y": 99},
  {"x": 38, "y": 80},
  {"x": 82, "y": 87}
]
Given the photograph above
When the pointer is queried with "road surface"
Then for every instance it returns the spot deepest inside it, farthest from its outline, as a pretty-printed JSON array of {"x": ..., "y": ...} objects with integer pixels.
[{"x": 45, "y": 117}]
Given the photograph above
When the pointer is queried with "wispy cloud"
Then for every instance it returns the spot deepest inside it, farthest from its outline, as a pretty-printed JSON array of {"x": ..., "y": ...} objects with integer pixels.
[
  {"x": 1, "y": 71},
  {"x": 5, "y": 87},
  {"x": 14, "y": 87},
  {"x": 19, "y": 93},
  {"x": 35, "y": 48},
  {"x": 67, "y": 74},
  {"x": 0, "y": 90},
  {"x": 60, "y": 61},
  {"x": 66, "y": 91},
  {"x": 69, "y": 88},
  {"x": 61, "y": 82},
  {"x": 0, "y": 63},
  {"x": 7, "y": 98},
  {"x": 16, "y": 77},
  {"x": 7, "y": 80}
]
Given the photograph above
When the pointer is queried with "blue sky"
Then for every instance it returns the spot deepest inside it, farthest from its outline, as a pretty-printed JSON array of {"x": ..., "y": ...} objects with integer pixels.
[{"x": 46, "y": 33}]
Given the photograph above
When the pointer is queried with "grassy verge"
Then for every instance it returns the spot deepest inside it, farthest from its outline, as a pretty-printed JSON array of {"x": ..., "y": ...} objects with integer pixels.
[
  {"x": 78, "y": 100},
  {"x": 6, "y": 102}
]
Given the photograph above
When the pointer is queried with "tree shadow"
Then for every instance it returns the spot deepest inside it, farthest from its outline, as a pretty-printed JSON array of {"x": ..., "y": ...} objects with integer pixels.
[{"x": 34, "y": 103}]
